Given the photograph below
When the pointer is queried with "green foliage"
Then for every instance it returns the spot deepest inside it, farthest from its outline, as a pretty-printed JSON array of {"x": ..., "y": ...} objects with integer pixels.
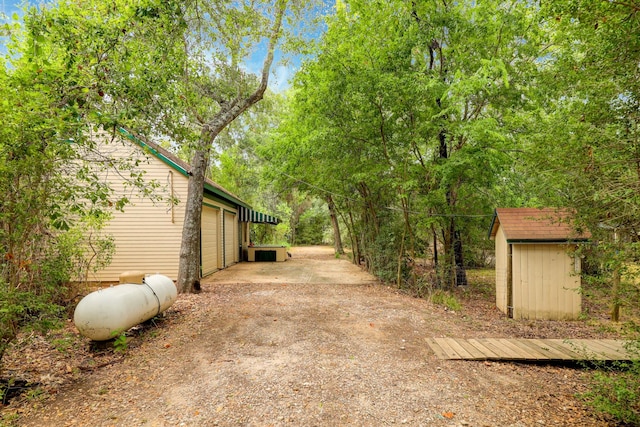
[
  {"x": 312, "y": 225},
  {"x": 445, "y": 299},
  {"x": 120, "y": 343},
  {"x": 615, "y": 389},
  {"x": 21, "y": 309},
  {"x": 64, "y": 343},
  {"x": 581, "y": 145},
  {"x": 401, "y": 118},
  {"x": 54, "y": 200},
  {"x": 9, "y": 419}
]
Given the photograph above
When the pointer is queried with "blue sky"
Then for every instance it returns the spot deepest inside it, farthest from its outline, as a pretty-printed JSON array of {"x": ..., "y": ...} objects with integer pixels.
[{"x": 9, "y": 7}]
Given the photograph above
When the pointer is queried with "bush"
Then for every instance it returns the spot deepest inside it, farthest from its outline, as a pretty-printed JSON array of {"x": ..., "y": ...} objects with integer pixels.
[
  {"x": 615, "y": 389},
  {"x": 25, "y": 310}
]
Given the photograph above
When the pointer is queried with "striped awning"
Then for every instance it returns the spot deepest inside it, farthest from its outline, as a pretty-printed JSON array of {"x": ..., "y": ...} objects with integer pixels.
[{"x": 249, "y": 215}]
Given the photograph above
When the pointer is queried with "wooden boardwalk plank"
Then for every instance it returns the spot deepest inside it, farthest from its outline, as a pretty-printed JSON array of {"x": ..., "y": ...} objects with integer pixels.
[
  {"x": 471, "y": 349},
  {"x": 528, "y": 349},
  {"x": 548, "y": 352},
  {"x": 451, "y": 353},
  {"x": 595, "y": 350},
  {"x": 461, "y": 350},
  {"x": 523, "y": 354},
  {"x": 488, "y": 354},
  {"x": 618, "y": 347},
  {"x": 554, "y": 352},
  {"x": 533, "y": 349},
  {"x": 503, "y": 352},
  {"x": 439, "y": 352},
  {"x": 560, "y": 346},
  {"x": 604, "y": 351}
]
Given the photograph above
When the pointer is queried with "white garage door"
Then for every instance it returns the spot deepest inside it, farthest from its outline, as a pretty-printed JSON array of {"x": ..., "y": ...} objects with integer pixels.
[
  {"x": 209, "y": 240},
  {"x": 230, "y": 241}
]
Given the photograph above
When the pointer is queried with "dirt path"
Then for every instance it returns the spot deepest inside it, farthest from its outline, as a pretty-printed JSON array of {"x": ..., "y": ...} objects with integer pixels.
[{"x": 309, "y": 342}]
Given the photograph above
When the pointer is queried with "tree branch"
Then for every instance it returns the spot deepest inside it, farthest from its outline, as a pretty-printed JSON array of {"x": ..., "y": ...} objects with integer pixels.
[{"x": 239, "y": 105}]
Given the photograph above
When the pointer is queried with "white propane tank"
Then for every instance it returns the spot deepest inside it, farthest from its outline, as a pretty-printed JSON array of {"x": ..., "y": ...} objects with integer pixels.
[{"x": 103, "y": 314}]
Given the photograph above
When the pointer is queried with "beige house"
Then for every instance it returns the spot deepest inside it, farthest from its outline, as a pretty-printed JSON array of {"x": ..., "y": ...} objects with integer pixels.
[
  {"x": 147, "y": 234},
  {"x": 536, "y": 275}
]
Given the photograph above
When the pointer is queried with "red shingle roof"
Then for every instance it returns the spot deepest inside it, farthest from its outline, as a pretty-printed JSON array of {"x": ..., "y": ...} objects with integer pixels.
[{"x": 535, "y": 225}]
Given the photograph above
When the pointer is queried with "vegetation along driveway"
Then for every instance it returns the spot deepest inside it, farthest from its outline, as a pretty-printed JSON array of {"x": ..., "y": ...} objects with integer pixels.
[{"x": 313, "y": 341}]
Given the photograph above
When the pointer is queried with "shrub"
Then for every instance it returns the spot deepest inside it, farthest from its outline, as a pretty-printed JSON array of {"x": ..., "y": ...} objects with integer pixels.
[{"x": 615, "y": 389}]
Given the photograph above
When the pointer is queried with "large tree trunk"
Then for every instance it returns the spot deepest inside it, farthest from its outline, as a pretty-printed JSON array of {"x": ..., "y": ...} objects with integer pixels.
[
  {"x": 189, "y": 267},
  {"x": 337, "y": 239}
]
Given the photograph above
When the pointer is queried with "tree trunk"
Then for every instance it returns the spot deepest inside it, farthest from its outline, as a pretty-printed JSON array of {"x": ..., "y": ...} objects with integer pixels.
[
  {"x": 447, "y": 263},
  {"x": 400, "y": 259},
  {"x": 293, "y": 227},
  {"x": 412, "y": 240},
  {"x": 189, "y": 267},
  {"x": 337, "y": 239},
  {"x": 355, "y": 246},
  {"x": 461, "y": 273}
]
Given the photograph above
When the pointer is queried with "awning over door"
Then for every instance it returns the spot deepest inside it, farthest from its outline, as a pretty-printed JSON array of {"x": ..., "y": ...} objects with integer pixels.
[{"x": 249, "y": 215}]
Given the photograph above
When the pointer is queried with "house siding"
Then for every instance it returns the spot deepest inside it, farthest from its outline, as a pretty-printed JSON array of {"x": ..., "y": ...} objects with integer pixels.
[{"x": 147, "y": 234}]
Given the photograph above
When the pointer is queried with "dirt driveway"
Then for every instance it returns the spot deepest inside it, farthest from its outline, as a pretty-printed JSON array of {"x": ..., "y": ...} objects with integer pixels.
[
  {"x": 307, "y": 265},
  {"x": 313, "y": 341}
]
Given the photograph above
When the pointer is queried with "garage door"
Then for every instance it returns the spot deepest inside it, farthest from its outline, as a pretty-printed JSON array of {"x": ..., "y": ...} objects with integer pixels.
[
  {"x": 230, "y": 242},
  {"x": 209, "y": 240}
]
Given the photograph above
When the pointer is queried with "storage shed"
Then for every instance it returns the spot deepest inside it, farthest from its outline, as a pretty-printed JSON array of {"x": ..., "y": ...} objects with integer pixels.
[{"x": 536, "y": 275}]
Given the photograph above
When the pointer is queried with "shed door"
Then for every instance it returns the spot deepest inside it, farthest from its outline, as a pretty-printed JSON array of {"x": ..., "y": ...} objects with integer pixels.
[
  {"x": 230, "y": 236},
  {"x": 209, "y": 240}
]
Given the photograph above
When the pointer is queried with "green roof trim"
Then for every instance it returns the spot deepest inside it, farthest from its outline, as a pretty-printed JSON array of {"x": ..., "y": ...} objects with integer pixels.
[
  {"x": 220, "y": 193},
  {"x": 224, "y": 195},
  {"x": 153, "y": 151}
]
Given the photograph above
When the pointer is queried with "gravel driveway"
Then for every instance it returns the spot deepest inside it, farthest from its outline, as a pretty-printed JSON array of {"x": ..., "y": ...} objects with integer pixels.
[{"x": 313, "y": 341}]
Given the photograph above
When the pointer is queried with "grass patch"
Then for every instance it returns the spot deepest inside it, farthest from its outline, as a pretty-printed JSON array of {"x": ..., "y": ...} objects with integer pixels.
[{"x": 445, "y": 299}]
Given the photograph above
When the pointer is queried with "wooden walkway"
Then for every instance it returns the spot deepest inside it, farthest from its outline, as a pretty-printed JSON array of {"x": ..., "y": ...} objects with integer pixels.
[{"x": 529, "y": 349}]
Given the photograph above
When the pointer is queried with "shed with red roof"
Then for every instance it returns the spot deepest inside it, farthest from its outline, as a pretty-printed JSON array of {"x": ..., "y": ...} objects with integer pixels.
[{"x": 537, "y": 276}]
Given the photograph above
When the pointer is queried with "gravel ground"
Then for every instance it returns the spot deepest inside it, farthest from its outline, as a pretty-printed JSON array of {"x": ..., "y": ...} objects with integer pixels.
[{"x": 332, "y": 349}]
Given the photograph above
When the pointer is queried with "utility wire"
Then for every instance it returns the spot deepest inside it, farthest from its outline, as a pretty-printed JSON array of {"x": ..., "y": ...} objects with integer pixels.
[
  {"x": 342, "y": 196},
  {"x": 391, "y": 208}
]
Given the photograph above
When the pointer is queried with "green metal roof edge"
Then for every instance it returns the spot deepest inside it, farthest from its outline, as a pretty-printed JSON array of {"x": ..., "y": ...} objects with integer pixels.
[
  {"x": 183, "y": 171},
  {"x": 153, "y": 151},
  {"x": 225, "y": 196}
]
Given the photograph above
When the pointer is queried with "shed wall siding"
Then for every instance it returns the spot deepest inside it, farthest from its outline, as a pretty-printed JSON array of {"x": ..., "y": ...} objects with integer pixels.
[
  {"x": 501, "y": 270},
  {"x": 147, "y": 234},
  {"x": 544, "y": 283}
]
